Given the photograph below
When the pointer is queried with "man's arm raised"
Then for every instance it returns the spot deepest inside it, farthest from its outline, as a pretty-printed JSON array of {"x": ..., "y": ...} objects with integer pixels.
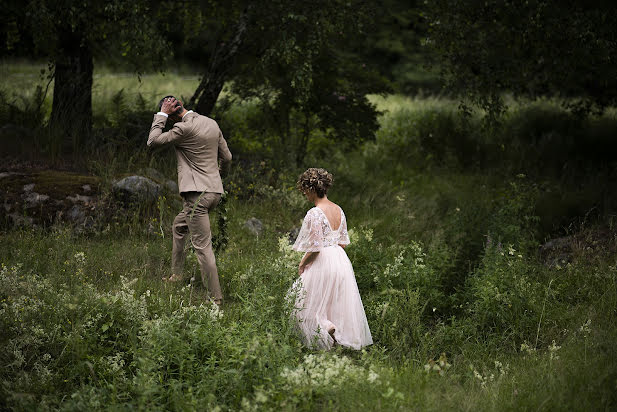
[{"x": 156, "y": 136}]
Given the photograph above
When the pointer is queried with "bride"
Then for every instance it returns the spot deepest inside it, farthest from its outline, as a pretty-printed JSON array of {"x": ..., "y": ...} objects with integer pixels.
[{"x": 328, "y": 304}]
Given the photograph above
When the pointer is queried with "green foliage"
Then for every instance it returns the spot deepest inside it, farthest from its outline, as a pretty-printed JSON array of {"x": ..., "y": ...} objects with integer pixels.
[{"x": 491, "y": 47}]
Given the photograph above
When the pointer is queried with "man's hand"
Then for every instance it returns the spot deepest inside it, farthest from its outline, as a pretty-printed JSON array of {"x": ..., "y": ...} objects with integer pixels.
[{"x": 171, "y": 106}]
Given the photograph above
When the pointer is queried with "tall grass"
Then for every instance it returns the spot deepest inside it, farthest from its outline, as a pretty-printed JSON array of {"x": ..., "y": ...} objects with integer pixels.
[{"x": 465, "y": 312}]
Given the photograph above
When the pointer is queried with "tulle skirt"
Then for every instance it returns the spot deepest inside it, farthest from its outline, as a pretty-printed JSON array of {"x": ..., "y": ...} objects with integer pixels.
[{"x": 326, "y": 296}]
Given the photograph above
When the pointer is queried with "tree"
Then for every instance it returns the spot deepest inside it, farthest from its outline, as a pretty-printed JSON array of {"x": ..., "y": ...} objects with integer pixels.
[
  {"x": 300, "y": 59},
  {"x": 532, "y": 48},
  {"x": 71, "y": 34}
]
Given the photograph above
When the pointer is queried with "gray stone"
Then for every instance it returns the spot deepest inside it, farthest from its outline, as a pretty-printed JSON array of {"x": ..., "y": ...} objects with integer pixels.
[
  {"x": 76, "y": 214},
  {"x": 80, "y": 198},
  {"x": 33, "y": 199},
  {"x": 137, "y": 188},
  {"x": 254, "y": 225},
  {"x": 29, "y": 187},
  {"x": 557, "y": 244},
  {"x": 558, "y": 251},
  {"x": 5, "y": 174},
  {"x": 86, "y": 188},
  {"x": 19, "y": 220},
  {"x": 171, "y": 186},
  {"x": 154, "y": 174}
]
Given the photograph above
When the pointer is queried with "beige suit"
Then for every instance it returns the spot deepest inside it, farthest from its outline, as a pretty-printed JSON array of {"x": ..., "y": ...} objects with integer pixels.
[{"x": 199, "y": 146}]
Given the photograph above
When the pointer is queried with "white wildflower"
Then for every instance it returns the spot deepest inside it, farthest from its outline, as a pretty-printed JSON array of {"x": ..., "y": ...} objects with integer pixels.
[
  {"x": 552, "y": 349},
  {"x": 585, "y": 328},
  {"x": 80, "y": 258}
]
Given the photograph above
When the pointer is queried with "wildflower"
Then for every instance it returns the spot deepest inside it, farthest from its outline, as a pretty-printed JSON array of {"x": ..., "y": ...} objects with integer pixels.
[
  {"x": 440, "y": 366},
  {"x": 215, "y": 312},
  {"x": 585, "y": 328},
  {"x": 553, "y": 348},
  {"x": 525, "y": 347},
  {"x": 80, "y": 258},
  {"x": 372, "y": 376}
]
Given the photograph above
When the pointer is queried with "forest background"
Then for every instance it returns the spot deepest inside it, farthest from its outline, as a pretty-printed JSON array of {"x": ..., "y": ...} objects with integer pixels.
[{"x": 473, "y": 149}]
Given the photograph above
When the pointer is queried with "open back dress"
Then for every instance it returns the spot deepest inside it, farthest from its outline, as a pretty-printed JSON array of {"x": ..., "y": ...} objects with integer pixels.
[{"x": 326, "y": 294}]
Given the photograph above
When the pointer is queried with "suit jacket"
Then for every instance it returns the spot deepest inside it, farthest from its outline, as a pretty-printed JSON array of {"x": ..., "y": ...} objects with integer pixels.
[{"x": 199, "y": 145}]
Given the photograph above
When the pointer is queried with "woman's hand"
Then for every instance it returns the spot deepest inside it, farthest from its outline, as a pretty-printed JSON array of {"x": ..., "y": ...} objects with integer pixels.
[{"x": 306, "y": 261}]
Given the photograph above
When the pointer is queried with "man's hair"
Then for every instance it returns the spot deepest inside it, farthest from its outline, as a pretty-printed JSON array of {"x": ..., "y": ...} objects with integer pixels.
[{"x": 163, "y": 99}]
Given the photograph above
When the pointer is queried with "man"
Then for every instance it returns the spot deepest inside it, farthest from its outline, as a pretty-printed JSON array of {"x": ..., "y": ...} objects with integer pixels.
[{"x": 199, "y": 146}]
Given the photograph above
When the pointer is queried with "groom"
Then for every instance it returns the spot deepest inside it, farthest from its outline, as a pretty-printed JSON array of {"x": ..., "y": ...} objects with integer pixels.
[{"x": 199, "y": 145}]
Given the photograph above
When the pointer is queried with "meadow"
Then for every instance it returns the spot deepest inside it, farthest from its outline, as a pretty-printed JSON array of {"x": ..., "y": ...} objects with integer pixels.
[{"x": 447, "y": 219}]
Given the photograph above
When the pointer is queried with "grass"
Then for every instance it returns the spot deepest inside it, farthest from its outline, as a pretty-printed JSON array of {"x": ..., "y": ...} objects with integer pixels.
[
  {"x": 18, "y": 79},
  {"x": 464, "y": 311}
]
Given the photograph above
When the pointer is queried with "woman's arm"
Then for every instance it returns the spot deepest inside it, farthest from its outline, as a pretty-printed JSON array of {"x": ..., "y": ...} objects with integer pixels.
[{"x": 307, "y": 259}]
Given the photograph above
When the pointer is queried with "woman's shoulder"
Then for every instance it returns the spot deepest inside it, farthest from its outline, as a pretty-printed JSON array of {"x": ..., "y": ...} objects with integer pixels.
[
  {"x": 337, "y": 206},
  {"x": 312, "y": 212}
]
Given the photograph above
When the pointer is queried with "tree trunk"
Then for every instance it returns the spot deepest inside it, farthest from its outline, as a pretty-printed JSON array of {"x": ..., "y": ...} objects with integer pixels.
[
  {"x": 71, "y": 113},
  {"x": 221, "y": 63}
]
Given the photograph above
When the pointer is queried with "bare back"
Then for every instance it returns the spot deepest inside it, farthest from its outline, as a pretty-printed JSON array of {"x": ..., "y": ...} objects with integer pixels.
[{"x": 332, "y": 212}]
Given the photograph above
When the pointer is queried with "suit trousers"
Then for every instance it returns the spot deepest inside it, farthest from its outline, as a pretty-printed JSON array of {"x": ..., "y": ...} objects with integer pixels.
[{"x": 194, "y": 221}]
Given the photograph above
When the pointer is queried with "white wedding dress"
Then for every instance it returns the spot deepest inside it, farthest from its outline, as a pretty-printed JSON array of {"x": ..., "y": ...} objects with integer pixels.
[{"x": 326, "y": 293}]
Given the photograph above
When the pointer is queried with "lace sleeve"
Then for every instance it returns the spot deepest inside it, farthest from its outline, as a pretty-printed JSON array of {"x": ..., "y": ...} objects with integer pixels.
[
  {"x": 310, "y": 238},
  {"x": 343, "y": 236}
]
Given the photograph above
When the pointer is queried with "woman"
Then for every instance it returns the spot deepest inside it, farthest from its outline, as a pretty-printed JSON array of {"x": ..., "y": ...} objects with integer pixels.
[{"x": 329, "y": 308}]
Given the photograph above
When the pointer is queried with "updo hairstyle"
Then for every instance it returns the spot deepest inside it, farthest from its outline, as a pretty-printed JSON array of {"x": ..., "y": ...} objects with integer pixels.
[{"x": 316, "y": 180}]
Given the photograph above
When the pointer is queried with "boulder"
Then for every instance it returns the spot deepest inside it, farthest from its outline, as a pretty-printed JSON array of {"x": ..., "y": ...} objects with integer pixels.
[
  {"x": 153, "y": 174},
  {"x": 171, "y": 186},
  {"x": 254, "y": 226},
  {"x": 33, "y": 199},
  {"x": 136, "y": 188},
  {"x": 558, "y": 251},
  {"x": 76, "y": 215}
]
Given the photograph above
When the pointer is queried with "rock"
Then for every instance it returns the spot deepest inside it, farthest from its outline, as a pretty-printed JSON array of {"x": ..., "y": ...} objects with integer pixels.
[
  {"x": 171, "y": 186},
  {"x": 86, "y": 188},
  {"x": 558, "y": 251},
  {"x": 76, "y": 215},
  {"x": 154, "y": 174},
  {"x": 137, "y": 188},
  {"x": 558, "y": 243},
  {"x": 293, "y": 235},
  {"x": 29, "y": 187},
  {"x": 19, "y": 220},
  {"x": 5, "y": 174},
  {"x": 80, "y": 198},
  {"x": 33, "y": 199},
  {"x": 254, "y": 225}
]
